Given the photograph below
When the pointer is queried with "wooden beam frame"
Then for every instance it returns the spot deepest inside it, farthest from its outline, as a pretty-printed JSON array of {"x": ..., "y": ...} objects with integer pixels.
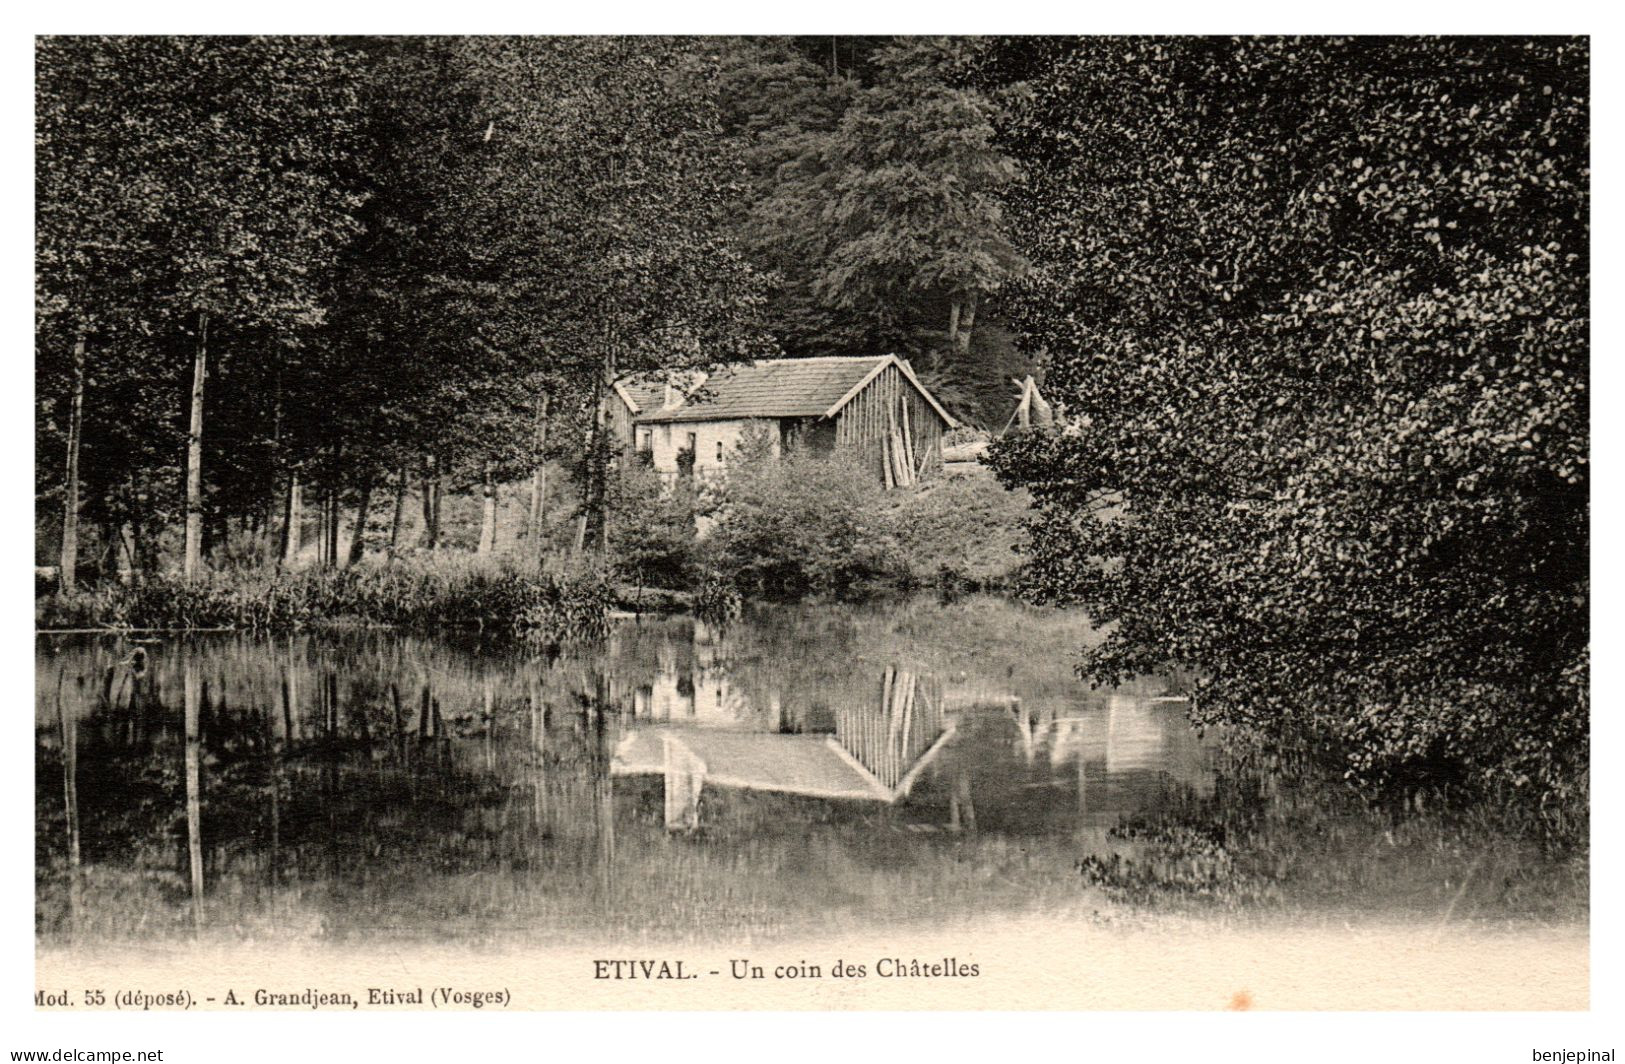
[{"x": 908, "y": 374}]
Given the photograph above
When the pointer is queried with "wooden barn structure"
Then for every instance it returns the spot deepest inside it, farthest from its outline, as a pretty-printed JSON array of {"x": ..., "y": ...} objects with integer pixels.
[{"x": 872, "y": 405}]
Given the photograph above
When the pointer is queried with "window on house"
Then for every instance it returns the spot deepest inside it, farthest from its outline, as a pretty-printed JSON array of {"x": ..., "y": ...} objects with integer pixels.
[
  {"x": 719, "y": 452},
  {"x": 686, "y": 456}
]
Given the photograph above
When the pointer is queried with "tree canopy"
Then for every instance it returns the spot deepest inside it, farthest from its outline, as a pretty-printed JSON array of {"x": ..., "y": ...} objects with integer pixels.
[
  {"x": 1313, "y": 313},
  {"x": 1316, "y": 313}
]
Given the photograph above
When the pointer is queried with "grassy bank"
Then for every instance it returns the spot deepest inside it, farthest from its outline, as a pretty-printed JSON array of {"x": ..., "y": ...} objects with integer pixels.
[{"x": 418, "y": 594}]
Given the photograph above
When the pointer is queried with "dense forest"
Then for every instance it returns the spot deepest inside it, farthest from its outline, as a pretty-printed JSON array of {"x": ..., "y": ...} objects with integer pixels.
[
  {"x": 310, "y": 272},
  {"x": 1314, "y": 314}
]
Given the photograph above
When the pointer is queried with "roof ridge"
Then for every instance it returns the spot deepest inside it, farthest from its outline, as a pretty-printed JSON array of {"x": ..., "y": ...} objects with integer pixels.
[{"x": 814, "y": 358}]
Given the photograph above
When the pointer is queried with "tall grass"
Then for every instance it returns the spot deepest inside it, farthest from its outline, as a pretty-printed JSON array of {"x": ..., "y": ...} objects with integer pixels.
[{"x": 428, "y": 594}]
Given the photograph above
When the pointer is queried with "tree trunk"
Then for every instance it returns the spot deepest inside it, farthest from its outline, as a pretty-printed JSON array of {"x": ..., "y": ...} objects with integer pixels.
[
  {"x": 131, "y": 569},
  {"x": 431, "y": 503},
  {"x": 324, "y": 523},
  {"x": 538, "y": 488},
  {"x": 293, "y": 522},
  {"x": 112, "y": 546},
  {"x": 274, "y": 552},
  {"x": 538, "y": 481},
  {"x": 400, "y": 511},
  {"x": 967, "y": 322},
  {"x": 69, "y": 572},
  {"x": 439, "y": 496},
  {"x": 141, "y": 561},
  {"x": 333, "y": 529},
  {"x": 488, "y": 512},
  {"x": 597, "y": 512},
  {"x": 954, "y": 308},
  {"x": 193, "y": 563},
  {"x": 359, "y": 537},
  {"x": 216, "y": 531}
]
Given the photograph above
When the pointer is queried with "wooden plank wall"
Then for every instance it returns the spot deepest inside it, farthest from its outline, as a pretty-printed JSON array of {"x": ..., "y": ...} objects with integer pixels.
[
  {"x": 864, "y": 423},
  {"x": 623, "y": 432}
]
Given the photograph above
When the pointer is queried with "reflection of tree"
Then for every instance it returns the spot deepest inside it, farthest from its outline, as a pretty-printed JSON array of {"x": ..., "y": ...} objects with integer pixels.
[
  {"x": 247, "y": 786},
  {"x": 362, "y": 780},
  {"x": 194, "y": 804}
]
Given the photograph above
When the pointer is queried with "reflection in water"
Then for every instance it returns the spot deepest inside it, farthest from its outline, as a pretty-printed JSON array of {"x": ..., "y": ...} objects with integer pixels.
[{"x": 809, "y": 760}]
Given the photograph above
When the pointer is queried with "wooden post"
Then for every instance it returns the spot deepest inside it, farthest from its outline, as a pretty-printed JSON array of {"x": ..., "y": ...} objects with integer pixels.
[{"x": 908, "y": 437}]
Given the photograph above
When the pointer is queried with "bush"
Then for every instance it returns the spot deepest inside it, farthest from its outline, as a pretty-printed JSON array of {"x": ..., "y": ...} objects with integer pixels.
[
  {"x": 802, "y": 523},
  {"x": 963, "y": 531},
  {"x": 652, "y": 529}
]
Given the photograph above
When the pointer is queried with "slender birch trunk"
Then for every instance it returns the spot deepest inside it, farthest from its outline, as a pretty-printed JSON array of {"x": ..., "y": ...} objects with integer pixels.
[
  {"x": 967, "y": 322},
  {"x": 69, "y": 572},
  {"x": 193, "y": 562},
  {"x": 597, "y": 512},
  {"x": 488, "y": 511},
  {"x": 538, "y": 482},
  {"x": 400, "y": 512},
  {"x": 293, "y": 522},
  {"x": 431, "y": 502},
  {"x": 274, "y": 551},
  {"x": 333, "y": 529}
]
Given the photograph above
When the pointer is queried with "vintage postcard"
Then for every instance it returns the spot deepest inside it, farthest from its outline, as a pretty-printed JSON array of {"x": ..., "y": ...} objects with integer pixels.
[{"x": 811, "y": 523}]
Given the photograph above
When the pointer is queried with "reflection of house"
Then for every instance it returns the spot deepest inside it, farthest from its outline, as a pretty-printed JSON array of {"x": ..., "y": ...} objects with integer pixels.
[
  {"x": 703, "y": 693},
  {"x": 874, "y": 406},
  {"x": 876, "y": 753}
]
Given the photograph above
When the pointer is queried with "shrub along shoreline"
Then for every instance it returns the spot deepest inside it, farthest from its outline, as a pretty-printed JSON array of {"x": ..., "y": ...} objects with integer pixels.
[
  {"x": 498, "y": 598},
  {"x": 808, "y": 525},
  {"x": 800, "y": 526}
]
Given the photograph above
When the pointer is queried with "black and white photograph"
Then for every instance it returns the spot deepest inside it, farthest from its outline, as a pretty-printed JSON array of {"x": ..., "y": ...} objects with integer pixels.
[{"x": 840, "y": 522}]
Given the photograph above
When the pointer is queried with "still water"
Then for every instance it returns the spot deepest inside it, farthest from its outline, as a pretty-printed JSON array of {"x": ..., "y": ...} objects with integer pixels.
[
  {"x": 804, "y": 769},
  {"x": 802, "y": 766}
]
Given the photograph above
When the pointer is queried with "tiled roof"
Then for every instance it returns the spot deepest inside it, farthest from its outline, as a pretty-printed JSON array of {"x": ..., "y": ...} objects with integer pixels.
[
  {"x": 784, "y": 387},
  {"x": 645, "y": 395}
]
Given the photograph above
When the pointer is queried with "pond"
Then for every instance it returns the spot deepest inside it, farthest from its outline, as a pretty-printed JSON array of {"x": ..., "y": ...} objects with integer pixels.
[{"x": 803, "y": 769}]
